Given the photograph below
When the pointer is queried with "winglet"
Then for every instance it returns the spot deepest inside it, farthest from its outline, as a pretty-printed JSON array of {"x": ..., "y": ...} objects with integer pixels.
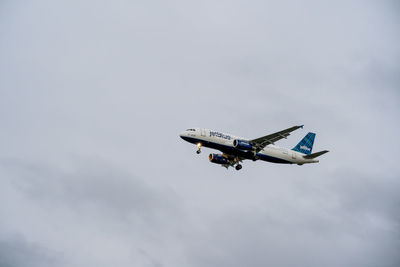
[{"x": 301, "y": 126}]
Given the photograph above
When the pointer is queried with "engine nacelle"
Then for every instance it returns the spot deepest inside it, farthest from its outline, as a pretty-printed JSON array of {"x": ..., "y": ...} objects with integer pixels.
[
  {"x": 242, "y": 145},
  {"x": 218, "y": 158}
]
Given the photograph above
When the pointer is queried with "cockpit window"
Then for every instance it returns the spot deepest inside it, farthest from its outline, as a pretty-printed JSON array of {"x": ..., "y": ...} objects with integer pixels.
[{"x": 191, "y": 130}]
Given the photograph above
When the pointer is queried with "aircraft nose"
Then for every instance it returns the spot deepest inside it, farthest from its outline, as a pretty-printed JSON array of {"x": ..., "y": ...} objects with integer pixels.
[{"x": 182, "y": 134}]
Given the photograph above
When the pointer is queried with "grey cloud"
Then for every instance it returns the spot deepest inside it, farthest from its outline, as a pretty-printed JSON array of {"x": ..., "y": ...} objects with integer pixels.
[
  {"x": 95, "y": 93},
  {"x": 95, "y": 207},
  {"x": 333, "y": 224},
  {"x": 15, "y": 251},
  {"x": 92, "y": 185},
  {"x": 251, "y": 239},
  {"x": 370, "y": 196}
]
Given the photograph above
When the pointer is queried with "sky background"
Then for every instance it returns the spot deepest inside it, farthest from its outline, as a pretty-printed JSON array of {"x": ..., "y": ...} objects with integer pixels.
[{"x": 93, "y": 96}]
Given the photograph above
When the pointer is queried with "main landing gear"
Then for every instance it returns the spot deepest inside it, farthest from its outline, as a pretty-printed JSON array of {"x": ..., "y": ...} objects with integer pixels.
[
  {"x": 238, "y": 167},
  {"x": 199, "y": 148},
  {"x": 255, "y": 156}
]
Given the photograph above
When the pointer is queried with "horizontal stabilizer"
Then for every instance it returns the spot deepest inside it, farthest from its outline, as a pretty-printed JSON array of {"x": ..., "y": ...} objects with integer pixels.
[{"x": 314, "y": 155}]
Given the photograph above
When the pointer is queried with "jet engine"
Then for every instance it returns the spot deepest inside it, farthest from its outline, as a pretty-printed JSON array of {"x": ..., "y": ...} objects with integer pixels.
[
  {"x": 242, "y": 145},
  {"x": 218, "y": 159}
]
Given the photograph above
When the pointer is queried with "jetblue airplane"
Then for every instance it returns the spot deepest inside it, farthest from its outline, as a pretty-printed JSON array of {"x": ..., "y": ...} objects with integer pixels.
[{"x": 236, "y": 149}]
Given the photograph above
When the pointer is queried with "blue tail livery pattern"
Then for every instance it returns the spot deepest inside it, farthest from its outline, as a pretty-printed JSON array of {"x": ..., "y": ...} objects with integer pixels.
[{"x": 306, "y": 144}]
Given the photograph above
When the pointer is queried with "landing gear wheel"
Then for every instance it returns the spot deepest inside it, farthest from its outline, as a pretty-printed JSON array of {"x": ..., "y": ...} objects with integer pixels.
[
  {"x": 199, "y": 148},
  {"x": 238, "y": 167}
]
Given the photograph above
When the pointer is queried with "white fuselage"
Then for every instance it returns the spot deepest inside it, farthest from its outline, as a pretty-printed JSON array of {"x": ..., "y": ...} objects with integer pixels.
[{"x": 224, "y": 143}]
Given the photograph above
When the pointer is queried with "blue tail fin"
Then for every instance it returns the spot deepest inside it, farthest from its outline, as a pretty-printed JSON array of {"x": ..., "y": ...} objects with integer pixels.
[{"x": 305, "y": 145}]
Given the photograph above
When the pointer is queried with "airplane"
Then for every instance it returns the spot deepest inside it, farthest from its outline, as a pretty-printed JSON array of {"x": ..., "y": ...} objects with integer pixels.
[{"x": 236, "y": 149}]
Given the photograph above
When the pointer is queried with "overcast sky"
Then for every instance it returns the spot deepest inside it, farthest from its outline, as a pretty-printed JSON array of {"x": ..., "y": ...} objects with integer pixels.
[{"x": 93, "y": 96}]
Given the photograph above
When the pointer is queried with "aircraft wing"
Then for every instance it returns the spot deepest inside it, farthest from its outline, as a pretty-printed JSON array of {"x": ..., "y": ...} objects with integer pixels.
[{"x": 262, "y": 142}]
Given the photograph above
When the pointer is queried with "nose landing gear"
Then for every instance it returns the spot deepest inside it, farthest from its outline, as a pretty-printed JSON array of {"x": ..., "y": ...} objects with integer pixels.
[
  {"x": 199, "y": 148},
  {"x": 238, "y": 167}
]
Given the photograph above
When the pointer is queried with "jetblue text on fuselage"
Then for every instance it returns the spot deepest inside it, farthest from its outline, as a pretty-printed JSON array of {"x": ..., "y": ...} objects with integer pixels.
[{"x": 220, "y": 135}]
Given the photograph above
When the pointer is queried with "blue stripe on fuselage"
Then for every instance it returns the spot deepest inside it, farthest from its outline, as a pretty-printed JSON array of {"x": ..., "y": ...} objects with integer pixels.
[{"x": 233, "y": 151}]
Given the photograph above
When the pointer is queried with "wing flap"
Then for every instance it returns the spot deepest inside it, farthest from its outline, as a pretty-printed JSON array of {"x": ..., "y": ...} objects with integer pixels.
[{"x": 262, "y": 142}]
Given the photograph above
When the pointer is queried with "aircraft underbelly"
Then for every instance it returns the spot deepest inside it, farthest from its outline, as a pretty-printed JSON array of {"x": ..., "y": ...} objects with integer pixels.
[
  {"x": 228, "y": 149},
  {"x": 245, "y": 154}
]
